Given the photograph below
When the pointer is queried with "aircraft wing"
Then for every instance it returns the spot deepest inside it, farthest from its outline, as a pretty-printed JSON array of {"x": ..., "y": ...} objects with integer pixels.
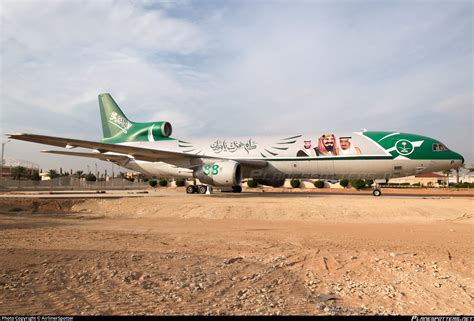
[{"x": 139, "y": 153}]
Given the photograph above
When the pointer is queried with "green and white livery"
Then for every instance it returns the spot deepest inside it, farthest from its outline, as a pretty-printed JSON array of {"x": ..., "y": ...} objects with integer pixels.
[{"x": 224, "y": 162}]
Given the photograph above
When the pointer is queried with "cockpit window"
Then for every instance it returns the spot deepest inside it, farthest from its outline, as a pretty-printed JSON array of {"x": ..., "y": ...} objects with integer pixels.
[{"x": 439, "y": 147}]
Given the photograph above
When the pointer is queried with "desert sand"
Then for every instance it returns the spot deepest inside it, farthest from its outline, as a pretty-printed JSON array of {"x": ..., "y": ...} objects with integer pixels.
[{"x": 238, "y": 254}]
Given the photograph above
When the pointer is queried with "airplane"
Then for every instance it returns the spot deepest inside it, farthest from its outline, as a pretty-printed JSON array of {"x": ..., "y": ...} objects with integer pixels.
[{"x": 224, "y": 162}]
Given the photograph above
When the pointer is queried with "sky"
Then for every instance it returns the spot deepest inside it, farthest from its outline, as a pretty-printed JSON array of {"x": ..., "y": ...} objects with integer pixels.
[{"x": 236, "y": 68}]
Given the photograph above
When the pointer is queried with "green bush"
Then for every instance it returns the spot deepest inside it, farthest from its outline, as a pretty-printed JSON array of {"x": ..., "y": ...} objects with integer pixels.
[
  {"x": 295, "y": 183},
  {"x": 91, "y": 177},
  {"x": 319, "y": 184},
  {"x": 464, "y": 185},
  {"x": 357, "y": 183},
  {"x": 179, "y": 182},
  {"x": 153, "y": 182},
  {"x": 416, "y": 184},
  {"x": 252, "y": 183},
  {"x": 369, "y": 182},
  {"x": 344, "y": 182},
  {"x": 163, "y": 182}
]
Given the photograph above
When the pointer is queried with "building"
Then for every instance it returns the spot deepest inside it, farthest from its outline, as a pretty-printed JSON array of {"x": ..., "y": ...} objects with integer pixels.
[
  {"x": 9, "y": 164},
  {"x": 425, "y": 179}
]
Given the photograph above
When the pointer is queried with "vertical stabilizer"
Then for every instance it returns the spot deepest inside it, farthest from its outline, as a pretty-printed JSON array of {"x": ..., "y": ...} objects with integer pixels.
[
  {"x": 117, "y": 128},
  {"x": 114, "y": 122}
]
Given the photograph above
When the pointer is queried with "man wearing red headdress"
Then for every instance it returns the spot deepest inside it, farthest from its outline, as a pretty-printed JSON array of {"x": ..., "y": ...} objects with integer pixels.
[{"x": 327, "y": 145}]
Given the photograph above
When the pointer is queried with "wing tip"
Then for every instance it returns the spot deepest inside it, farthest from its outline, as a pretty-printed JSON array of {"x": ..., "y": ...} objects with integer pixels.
[{"x": 15, "y": 134}]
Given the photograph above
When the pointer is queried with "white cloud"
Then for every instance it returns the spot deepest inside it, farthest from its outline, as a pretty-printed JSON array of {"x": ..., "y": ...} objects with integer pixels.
[
  {"x": 237, "y": 68},
  {"x": 68, "y": 52}
]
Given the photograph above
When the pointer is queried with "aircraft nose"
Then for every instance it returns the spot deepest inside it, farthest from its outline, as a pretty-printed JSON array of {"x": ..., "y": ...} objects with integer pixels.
[{"x": 458, "y": 161}]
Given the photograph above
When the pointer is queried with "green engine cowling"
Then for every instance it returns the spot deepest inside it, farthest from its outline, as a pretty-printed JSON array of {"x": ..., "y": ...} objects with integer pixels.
[
  {"x": 221, "y": 174},
  {"x": 151, "y": 131},
  {"x": 143, "y": 132}
]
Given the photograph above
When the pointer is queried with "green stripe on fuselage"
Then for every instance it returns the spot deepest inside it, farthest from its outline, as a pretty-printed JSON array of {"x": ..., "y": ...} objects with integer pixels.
[{"x": 410, "y": 146}]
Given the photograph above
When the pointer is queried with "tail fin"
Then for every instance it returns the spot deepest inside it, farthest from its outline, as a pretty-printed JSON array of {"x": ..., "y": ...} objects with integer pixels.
[
  {"x": 117, "y": 128},
  {"x": 114, "y": 122}
]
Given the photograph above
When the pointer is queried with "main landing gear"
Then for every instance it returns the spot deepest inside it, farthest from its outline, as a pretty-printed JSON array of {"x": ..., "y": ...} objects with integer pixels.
[
  {"x": 201, "y": 189},
  {"x": 207, "y": 189}
]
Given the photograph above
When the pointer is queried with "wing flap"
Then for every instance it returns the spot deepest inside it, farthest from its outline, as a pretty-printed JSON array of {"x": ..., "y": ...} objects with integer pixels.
[{"x": 104, "y": 157}]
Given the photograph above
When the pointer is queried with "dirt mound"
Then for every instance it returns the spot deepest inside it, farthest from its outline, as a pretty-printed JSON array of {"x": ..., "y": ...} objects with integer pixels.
[{"x": 33, "y": 206}]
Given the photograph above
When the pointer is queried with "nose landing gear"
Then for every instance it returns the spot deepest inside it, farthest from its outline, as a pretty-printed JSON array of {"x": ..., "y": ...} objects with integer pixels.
[
  {"x": 376, "y": 189},
  {"x": 376, "y": 192}
]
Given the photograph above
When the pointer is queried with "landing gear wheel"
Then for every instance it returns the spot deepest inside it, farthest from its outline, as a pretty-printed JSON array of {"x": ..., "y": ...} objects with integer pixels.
[
  {"x": 236, "y": 189},
  {"x": 202, "y": 189},
  {"x": 191, "y": 189},
  {"x": 377, "y": 192}
]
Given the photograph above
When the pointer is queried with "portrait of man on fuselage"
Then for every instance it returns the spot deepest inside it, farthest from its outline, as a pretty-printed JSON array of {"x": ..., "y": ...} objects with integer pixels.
[
  {"x": 327, "y": 145},
  {"x": 307, "y": 150},
  {"x": 347, "y": 148}
]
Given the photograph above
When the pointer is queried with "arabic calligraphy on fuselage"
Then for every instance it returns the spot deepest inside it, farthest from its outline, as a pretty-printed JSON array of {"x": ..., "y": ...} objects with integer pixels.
[{"x": 232, "y": 146}]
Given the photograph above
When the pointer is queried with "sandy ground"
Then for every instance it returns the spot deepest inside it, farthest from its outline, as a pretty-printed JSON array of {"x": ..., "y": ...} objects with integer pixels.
[{"x": 259, "y": 253}]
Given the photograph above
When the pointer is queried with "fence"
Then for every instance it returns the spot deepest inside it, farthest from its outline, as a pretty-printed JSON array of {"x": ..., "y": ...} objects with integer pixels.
[{"x": 69, "y": 183}]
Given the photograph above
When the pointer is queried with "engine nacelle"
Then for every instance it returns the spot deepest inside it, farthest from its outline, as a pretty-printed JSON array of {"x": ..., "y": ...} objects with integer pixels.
[
  {"x": 160, "y": 129},
  {"x": 222, "y": 173},
  {"x": 150, "y": 132}
]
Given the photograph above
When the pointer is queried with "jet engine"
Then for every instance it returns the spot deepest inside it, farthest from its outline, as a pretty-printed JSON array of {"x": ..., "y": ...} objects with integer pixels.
[
  {"x": 222, "y": 173},
  {"x": 160, "y": 129}
]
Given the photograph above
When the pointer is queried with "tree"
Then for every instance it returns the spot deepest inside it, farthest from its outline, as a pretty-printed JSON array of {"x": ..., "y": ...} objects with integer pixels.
[
  {"x": 91, "y": 177},
  {"x": 447, "y": 172},
  {"x": 79, "y": 173},
  {"x": 18, "y": 172},
  {"x": 163, "y": 182},
  {"x": 53, "y": 173},
  {"x": 153, "y": 183},
  {"x": 35, "y": 176},
  {"x": 369, "y": 182}
]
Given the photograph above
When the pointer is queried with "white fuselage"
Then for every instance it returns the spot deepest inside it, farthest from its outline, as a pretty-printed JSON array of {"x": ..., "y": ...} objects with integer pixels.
[{"x": 369, "y": 160}]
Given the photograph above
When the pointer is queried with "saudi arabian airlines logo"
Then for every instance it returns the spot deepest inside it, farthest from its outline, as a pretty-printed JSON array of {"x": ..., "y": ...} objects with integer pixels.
[
  {"x": 120, "y": 122},
  {"x": 405, "y": 147}
]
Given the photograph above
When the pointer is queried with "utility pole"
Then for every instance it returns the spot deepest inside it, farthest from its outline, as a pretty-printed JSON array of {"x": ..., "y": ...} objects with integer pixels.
[{"x": 3, "y": 149}]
